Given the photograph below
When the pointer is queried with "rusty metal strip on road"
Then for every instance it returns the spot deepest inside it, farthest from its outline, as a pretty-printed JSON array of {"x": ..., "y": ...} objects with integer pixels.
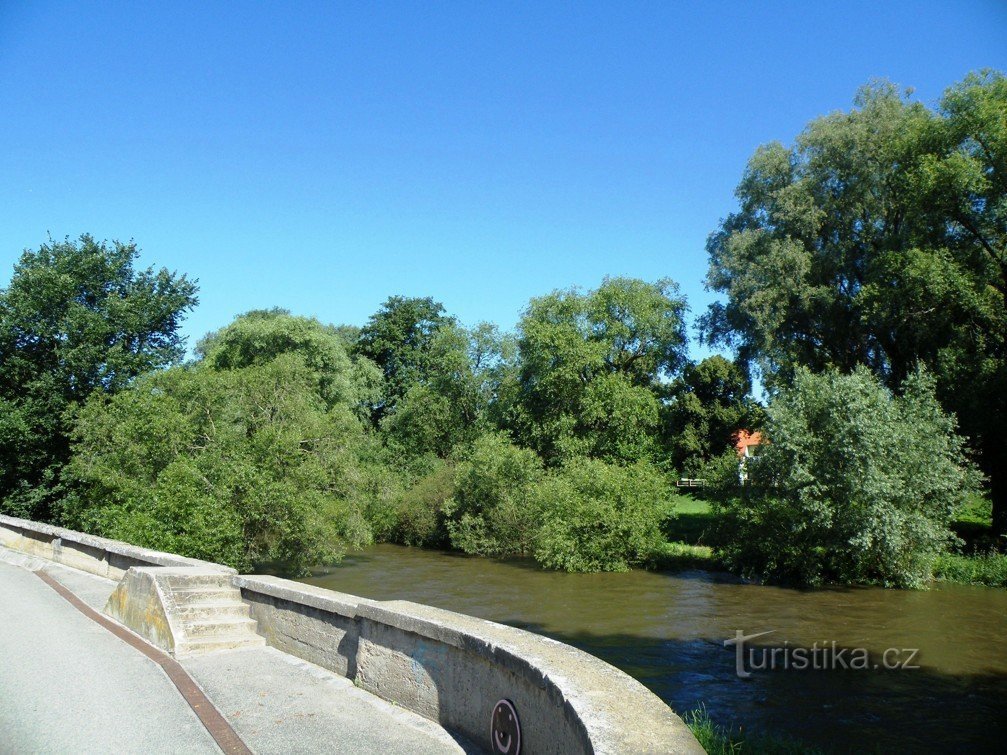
[{"x": 218, "y": 727}]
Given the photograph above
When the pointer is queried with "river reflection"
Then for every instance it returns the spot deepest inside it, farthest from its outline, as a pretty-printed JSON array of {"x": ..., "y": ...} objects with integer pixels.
[{"x": 668, "y": 631}]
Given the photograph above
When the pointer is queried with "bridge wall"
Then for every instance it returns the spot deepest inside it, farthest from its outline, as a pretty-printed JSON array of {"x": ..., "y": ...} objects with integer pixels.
[
  {"x": 446, "y": 666},
  {"x": 454, "y": 669},
  {"x": 88, "y": 553}
]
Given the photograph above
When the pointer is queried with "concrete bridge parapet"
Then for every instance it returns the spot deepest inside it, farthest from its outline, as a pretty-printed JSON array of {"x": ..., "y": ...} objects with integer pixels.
[{"x": 501, "y": 688}]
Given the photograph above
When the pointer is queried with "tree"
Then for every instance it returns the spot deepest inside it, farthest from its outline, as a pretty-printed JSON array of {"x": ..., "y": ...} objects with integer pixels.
[
  {"x": 493, "y": 511},
  {"x": 879, "y": 239},
  {"x": 963, "y": 189},
  {"x": 856, "y": 484},
  {"x": 398, "y": 339},
  {"x": 260, "y": 336},
  {"x": 77, "y": 318},
  {"x": 600, "y": 517},
  {"x": 444, "y": 405},
  {"x": 707, "y": 406},
  {"x": 244, "y": 466},
  {"x": 592, "y": 366}
]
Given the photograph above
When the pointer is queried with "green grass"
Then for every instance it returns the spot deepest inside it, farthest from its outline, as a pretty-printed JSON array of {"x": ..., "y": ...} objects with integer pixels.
[
  {"x": 975, "y": 569},
  {"x": 692, "y": 522},
  {"x": 676, "y": 555},
  {"x": 979, "y": 561},
  {"x": 720, "y": 740},
  {"x": 974, "y": 525},
  {"x": 687, "y": 536}
]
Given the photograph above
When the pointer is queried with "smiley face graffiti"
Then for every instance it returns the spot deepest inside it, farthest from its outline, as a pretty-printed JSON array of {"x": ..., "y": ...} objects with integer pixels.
[{"x": 505, "y": 729}]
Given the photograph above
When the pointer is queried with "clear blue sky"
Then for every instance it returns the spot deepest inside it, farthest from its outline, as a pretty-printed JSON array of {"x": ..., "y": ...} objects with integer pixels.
[{"x": 322, "y": 157}]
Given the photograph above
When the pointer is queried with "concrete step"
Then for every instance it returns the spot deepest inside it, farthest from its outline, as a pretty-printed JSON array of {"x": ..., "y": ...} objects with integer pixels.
[
  {"x": 206, "y": 645},
  {"x": 211, "y": 611},
  {"x": 189, "y": 579},
  {"x": 219, "y": 628},
  {"x": 189, "y": 596}
]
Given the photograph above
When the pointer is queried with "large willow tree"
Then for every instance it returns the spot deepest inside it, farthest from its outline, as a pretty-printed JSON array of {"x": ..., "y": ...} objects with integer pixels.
[{"x": 880, "y": 239}]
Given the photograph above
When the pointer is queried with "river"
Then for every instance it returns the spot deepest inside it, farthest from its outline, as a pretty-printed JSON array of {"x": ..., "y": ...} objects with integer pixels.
[{"x": 668, "y": 631}]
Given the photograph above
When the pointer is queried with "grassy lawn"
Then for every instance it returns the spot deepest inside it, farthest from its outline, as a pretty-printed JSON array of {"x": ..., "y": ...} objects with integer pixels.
[
  {"x": 693, "y": 521},
  {"x": 687, "y": 535}
]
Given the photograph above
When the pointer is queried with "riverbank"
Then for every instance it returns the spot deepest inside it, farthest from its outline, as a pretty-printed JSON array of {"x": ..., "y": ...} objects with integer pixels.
[
  {"x": 723, "y": 740},
  {"x": 975, "y": 562}
]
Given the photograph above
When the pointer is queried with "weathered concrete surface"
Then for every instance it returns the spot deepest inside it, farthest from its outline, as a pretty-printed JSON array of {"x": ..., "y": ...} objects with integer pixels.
[
  {"x": 454, "y": 668},
  {"x": 77, "y": 688},
  {"x": 68, "y": 685},
  {"x": 183, "y": 610},
  {"x": 89, "y": 553},
  {"x": 447, "y": 667},
  {"x": 92, "y": 589},
  {"x": 137, "y": 603},
  {"x": 279, "y": 704},
  {"x": 311, "y": 623}
]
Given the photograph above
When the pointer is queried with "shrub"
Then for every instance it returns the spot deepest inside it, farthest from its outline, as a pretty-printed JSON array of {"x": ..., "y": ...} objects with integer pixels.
[
  {"x": 419, "y": 510},
  {"x": 493, "y": 512},
  {"x": 980, "y": 569},
  {"x": 245, "y": 466},
  {"x": 855, "y": 485},
  {"x": 600, "y": 517}
]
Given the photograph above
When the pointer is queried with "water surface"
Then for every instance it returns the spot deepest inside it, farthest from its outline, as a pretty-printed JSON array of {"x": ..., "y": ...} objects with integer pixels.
[{"x": 668, "y": 631}]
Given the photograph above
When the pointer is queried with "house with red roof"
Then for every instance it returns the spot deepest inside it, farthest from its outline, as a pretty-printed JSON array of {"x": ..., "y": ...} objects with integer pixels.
[{"x": 747, "y": 445}]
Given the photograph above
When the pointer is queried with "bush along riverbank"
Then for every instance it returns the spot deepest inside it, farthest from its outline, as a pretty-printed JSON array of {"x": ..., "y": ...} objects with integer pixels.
[{"x": 971, "y": 560}]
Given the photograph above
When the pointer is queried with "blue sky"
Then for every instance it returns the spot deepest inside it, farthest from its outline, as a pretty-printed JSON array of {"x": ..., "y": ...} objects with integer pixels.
[{"x": 321, "y": 157}]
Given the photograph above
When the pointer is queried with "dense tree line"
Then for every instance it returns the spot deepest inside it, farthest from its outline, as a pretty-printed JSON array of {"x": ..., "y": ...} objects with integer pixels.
[
  {"x": 285, "y": 441},
  {"x": 865, "y": 276}
]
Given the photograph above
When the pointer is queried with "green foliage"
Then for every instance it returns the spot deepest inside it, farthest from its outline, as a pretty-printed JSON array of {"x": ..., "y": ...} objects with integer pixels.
[
  {"x": 250, "y": 465},
  {"x": 880, "y": 239},
  {"x": 591, "y": 366},
  {"x": 600, "y": 517},
  {"x": 398, "y": 338},
  {"x": 76, "y": 319},
  {"x": 420, "y": 512},
  {"x": 988, "y": 569},
  {"x": 260, "y": 336},
  {"x": 707, "y": 406},
  {"x": 494, "y": 511},
  {"x": 446, "y": 403},
  {"x": 855, "y": 485}
]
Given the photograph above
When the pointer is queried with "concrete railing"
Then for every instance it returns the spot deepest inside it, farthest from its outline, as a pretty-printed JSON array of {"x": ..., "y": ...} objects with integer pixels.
[
  {"x": 89, "y": 553},
  {"x": 455, "y": 669},
  {"x": 500, "y": 688}
]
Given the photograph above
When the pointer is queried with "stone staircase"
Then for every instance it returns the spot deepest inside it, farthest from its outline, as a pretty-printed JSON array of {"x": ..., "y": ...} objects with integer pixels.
[{"x": 208, "y": 614}]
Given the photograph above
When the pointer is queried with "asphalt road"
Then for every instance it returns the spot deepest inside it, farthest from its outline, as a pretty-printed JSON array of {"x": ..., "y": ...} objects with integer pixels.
[{"x": 69, "y": 685}]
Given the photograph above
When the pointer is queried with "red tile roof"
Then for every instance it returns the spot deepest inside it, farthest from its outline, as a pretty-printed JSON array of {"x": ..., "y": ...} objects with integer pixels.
[{"x": 744, "y": 439}]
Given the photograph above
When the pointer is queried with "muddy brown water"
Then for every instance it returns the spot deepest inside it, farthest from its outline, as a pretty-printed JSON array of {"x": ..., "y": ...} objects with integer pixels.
[{"x": 668, "y": 631}]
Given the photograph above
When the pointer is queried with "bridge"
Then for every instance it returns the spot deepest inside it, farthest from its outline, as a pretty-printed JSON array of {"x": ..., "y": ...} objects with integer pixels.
[{"x": 108, "y": 647}]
